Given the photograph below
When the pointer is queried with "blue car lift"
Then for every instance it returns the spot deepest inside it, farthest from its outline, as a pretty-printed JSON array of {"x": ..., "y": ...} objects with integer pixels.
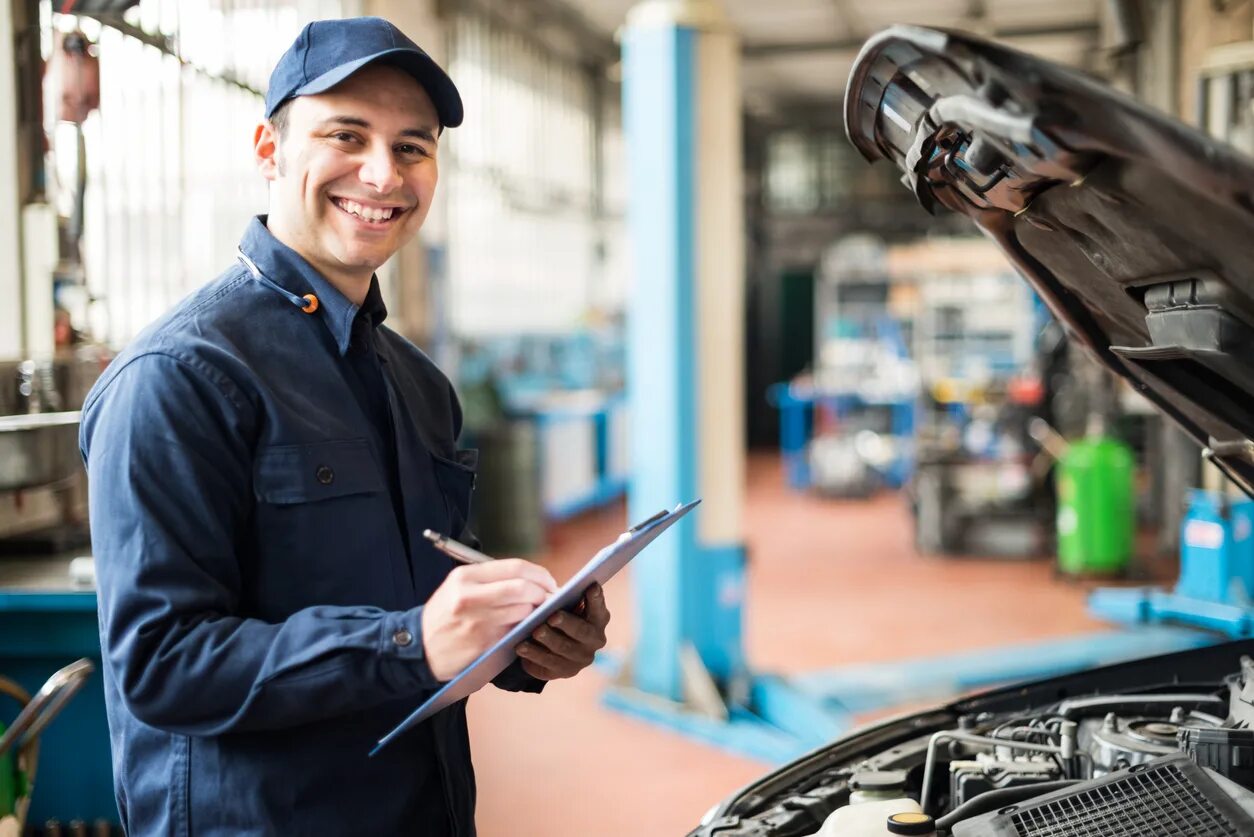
[
  {"x": 687, "y": 670},
  {"x": 1215, "y": 590},
  {"x": 786, "y": 717}
]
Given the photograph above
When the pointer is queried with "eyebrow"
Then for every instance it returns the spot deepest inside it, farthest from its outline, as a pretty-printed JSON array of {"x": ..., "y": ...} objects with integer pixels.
[{"x": 422, "y": 133}]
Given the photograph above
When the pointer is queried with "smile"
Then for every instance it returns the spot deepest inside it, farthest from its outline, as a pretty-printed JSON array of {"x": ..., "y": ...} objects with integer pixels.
[{"x": 373, "y": 215}]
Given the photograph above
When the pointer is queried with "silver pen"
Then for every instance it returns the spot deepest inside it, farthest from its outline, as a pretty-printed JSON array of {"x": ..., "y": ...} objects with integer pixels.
[{"x": 453, "y": 549}]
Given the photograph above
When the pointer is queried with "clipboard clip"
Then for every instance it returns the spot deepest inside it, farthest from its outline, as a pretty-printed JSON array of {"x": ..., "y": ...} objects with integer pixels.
[{"x": 644, "y": 524}]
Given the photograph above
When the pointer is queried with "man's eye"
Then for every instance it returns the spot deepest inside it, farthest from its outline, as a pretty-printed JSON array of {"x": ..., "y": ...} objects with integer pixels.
[
  {"x": 343, "y": 136},
  {"x": 411, "y": 150}
]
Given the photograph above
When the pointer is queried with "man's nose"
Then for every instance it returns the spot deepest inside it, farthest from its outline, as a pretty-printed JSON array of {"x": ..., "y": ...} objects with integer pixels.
[{"x": 379, "y": 170}]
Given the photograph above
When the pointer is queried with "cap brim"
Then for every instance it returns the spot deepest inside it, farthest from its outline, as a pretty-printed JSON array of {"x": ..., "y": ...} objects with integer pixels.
[{"x": 443, "y": 93}]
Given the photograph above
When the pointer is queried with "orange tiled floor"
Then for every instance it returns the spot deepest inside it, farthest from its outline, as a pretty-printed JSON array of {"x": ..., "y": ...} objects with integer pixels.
[{"x": 830, "y": 582}]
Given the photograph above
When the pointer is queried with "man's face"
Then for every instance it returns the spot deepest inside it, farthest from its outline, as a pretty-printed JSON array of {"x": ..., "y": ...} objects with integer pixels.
[{"x": 354, "y": 170}]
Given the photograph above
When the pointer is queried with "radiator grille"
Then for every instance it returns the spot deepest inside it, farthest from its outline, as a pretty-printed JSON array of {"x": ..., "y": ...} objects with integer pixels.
[{"x": 1150, "y": 803}]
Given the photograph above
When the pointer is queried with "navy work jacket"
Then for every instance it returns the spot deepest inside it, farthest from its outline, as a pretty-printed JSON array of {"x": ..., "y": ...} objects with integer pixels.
[{"x": 260, "y": 478}]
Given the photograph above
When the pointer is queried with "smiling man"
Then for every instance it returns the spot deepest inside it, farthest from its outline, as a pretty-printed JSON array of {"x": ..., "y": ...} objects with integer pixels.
[{"x": 262, "y": 463}]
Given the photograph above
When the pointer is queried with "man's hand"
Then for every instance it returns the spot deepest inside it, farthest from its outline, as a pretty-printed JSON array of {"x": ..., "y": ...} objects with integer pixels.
[
  {"x": 566, "y": 645},
  {"x": 477, "y": 605}
]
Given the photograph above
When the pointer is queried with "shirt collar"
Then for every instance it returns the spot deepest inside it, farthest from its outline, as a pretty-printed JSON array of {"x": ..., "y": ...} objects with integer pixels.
[
  {"x": 372, "y": 310},
  {"x": 288, "y": 269}
]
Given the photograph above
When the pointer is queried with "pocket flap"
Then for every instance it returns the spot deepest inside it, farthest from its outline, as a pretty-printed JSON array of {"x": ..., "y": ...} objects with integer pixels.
[
  {"x": 457, "y": 478},
  {"x": 317, "y": 471},
  {"x": 466, "y": 459}
]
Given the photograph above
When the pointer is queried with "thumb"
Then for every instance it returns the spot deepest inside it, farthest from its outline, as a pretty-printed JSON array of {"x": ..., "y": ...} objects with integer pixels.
[{"x": 598, "y": 612}]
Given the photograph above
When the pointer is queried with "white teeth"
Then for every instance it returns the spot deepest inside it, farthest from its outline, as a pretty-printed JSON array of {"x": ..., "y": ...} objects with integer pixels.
[{"x": 365, "y": 212}]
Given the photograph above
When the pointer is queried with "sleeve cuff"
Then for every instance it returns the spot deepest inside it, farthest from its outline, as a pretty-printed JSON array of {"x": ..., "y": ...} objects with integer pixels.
[
  {"x": 401, "y": 640},
  {"x": 514, "y": 679}
]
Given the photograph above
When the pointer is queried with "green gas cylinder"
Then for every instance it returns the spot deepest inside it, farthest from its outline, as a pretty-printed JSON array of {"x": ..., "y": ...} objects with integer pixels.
[{"x": 1096, "y": 510}]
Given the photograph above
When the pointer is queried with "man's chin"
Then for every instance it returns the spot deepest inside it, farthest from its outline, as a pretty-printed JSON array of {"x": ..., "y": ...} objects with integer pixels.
[
  {"x": 364, "y": 253},
  {"x": 359, "y": 259},
  {"x": 362, "y": 266}
]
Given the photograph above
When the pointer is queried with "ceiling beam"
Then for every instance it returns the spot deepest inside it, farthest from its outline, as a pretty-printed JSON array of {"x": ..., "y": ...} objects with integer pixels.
[
  {"x": 752, "y": 50},
  {"x": 529, "y": 19}
]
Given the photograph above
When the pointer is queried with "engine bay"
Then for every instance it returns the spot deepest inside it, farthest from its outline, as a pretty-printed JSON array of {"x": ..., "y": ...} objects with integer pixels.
[{"x": 1176, "y": 759}]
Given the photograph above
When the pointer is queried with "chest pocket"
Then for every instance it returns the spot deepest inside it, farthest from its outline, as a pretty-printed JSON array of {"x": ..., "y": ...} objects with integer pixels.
[
  {"x": 287, "y": 474},
  {"x": 456, "y": 478},
  {"x": 325, "y": 527}
]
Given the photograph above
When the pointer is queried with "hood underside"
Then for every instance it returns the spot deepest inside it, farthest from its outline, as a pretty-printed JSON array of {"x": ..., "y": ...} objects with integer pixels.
[{"x": 1135, "y": 229}]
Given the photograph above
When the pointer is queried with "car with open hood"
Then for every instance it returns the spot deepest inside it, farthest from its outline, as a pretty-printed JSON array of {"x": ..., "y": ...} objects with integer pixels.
[{"x": 1135, "y": 230}]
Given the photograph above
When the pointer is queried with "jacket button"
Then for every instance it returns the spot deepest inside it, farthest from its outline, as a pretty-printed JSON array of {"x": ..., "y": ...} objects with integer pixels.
[
  {"x": 403, "y": 638},
  {"x": 325, "y": 475}
]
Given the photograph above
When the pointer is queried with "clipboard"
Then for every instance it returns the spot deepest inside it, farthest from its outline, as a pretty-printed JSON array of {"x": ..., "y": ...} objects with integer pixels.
[{"x": 601, "y": 568}]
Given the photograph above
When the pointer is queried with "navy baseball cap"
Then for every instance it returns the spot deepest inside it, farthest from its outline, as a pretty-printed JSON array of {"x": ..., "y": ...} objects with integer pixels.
[{"x": 328, "y": 51}]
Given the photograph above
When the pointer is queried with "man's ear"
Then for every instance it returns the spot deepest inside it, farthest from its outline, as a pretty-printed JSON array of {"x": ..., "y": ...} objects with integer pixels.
[{"x": 266, "y": 150}]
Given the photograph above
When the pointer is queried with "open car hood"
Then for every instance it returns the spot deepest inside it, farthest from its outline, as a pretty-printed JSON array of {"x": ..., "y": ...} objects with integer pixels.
[
  {"x": 1135, "y": 229},
  {"x": 796, "y": 799}
]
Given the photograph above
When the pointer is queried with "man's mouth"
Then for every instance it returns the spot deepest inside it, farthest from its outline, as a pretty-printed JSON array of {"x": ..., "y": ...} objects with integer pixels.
[{"x": 379, "y": 216}]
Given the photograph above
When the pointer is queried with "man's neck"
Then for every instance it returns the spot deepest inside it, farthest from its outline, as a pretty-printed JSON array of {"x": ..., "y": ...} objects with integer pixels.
[{"x": 353, "y": 286}]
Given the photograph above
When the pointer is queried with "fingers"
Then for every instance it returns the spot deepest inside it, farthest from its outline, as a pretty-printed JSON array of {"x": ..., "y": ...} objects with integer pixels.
[
  {"x": 580, "y": 630},
  {"x": 502, "y": 583},
  {"x": 555, "y": 667},
  {"x": 505, "y": 569},
  {"x": 512, "y": 591},
  {"x": 539, "y": 672},
  {"x": 562, "y": 645},
  {"x": 566, "y": 644},
  {"x": 597, "y": 612},
  {"x": 491, "y": 600},
  {"x": 475, "y": 606},
  {"x": 511, "y": 615}
]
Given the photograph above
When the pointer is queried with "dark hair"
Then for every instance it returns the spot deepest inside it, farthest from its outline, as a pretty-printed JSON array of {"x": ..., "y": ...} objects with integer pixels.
[{"x": 279, "y": 118}]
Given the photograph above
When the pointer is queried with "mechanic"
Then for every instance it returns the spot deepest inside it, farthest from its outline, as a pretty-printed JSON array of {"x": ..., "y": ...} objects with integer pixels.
[{"x": 263, "y": 461}]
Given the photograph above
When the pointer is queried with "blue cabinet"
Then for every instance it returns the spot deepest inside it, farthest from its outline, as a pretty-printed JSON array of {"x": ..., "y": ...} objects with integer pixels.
[{"x": 42, "y": 630}]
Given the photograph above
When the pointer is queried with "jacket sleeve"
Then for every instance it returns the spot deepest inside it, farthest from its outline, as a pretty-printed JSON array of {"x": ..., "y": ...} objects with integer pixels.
[
  {"x": 167, "y": 443},
  {"x": 514, "y": 679}
]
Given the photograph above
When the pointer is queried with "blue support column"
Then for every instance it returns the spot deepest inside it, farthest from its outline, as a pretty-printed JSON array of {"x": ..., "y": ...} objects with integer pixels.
[
  {"x": 660, "y": 353},
  {"x": 690, "y": 583}
]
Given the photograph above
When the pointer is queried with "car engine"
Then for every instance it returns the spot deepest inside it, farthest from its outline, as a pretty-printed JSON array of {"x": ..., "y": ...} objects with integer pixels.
[{"x": 1174, "y": 760}]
